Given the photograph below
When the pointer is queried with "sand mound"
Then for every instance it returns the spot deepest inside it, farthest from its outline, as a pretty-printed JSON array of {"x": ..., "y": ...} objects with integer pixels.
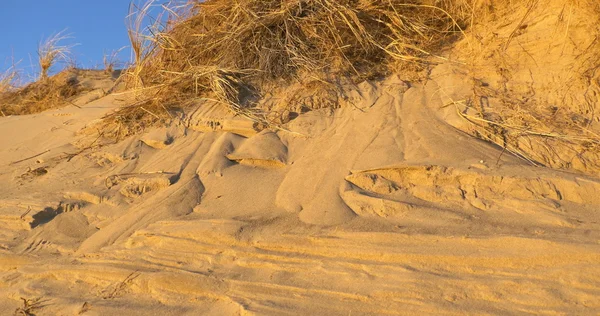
[{"x": 264, "y": 149}]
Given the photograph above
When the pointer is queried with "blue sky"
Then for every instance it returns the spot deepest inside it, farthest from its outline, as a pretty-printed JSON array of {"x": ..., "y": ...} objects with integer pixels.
[{"x": 97, "y": 26}]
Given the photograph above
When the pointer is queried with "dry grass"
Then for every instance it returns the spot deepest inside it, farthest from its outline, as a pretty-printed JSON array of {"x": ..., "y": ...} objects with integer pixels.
[
  {"x": 232, "y": 50},
  {"x": 539, "y": 141},
  {"x": 8, "y": 79},
  {"x": 54, "y": 92},
  {"x": 46, "y": 93},
  {"x": 50, "y": 51},
  {"x": 554, "y": 138},
  {"x": 141, "y": 43},
  {"x": 111, "y": 60}
]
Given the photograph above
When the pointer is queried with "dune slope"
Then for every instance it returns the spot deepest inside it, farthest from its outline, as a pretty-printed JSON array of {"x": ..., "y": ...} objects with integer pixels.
[
  {"x": 377, "y": 208},
  {"x": 471, "y": 191}
]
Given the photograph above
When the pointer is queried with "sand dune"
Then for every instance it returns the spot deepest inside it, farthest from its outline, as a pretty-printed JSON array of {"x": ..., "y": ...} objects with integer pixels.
[
  {"x": 474, "y": 190},
  {"x": 382, "y": 208}
]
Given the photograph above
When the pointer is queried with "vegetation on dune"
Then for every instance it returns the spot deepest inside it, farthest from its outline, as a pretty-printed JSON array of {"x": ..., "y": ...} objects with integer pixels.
[
  {"x": 50, "y": 51},
  {"x": 45, "y": 93},
  {"x": 111, "y": 61},
  {"x": 230, "y": 51},
  {"x": 53, "y": 92},
  {"x": 235, "y": 52},
  {"x": 49, "y": 91},
  {"x": 8, "y": 79}
]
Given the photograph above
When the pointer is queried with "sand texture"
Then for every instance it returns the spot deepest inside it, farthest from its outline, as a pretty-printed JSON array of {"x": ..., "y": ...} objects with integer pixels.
[
  {"x": 474, "y": 191},
  {"x": 380, "y": 208}
]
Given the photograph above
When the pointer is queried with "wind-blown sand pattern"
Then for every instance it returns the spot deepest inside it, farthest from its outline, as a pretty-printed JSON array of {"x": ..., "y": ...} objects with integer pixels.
[
  {"x": 380, "y": 208},
  {"x": 402, "y": 198}
]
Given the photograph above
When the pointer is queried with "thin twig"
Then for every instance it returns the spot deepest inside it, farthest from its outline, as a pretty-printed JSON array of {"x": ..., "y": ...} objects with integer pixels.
[
  {"x": 149, "y": 112},
  {"x": 27, "y": 212},
  {"x": 532, "y": 5},
  {"x": 28, "y": 158},
  {"x": 73, "y": 104},
  {"x": 121, "y": 286}
]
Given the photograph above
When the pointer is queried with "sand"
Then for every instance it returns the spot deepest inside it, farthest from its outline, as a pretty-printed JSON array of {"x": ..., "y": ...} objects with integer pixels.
[
  {"x": 387, "y": 204},
  {"x": 381, "y": 208}
]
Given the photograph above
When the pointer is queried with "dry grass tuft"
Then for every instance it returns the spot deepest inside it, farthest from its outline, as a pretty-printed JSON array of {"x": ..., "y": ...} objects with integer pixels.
[
  {"x": 8, "y": 79},
  {"x": 111, "y": 60},
  {"x": 50, "y": 51},
  {"x": 142, "y": 45},
  {"x": 54, "y": 92},
  {"x": 231, "y": 50},
  {"x": 46, "y": 93}
]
